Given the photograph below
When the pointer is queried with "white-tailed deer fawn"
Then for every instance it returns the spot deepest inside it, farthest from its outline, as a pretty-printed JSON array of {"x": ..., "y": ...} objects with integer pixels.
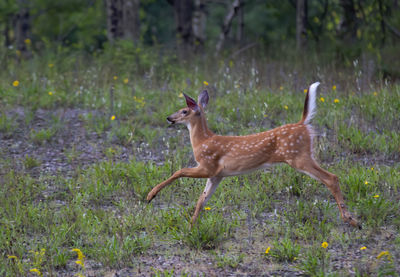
[{"x": 222, "y": 156}]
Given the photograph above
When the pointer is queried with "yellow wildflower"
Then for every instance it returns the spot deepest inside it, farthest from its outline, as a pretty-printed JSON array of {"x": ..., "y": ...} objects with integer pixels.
[
  {"x": 18, "y": 52},
  {"x": 50, "y": 93},
  {"x": 112, "y": 117},
  {"x": 140, "y": 101},
  {"x": 366, "y": 182},
  {"x": 79, "y": 253},
  {"x": 285, "y": 107},
  {"x": 267, "y": 250},
  {"x": 322, "y": 99},
  {"x": 336, "y": 100},
  {"x": 205, "y": 83},
  {"x": 281, "y": 88},
  {"x": 376, "y": 196},
  {"x": 305, "y": 90},
  {"x": 363, "y": 248},
  {"x": 36, "y": 271},
  {"x": 375, "y": 93},
  {"x": 115, "y": 77},
  {"x": 333, "y": 87},
  {"x": 79, "y": 262},
  {"x": 27, "y": 41},
  {"x": 126, "y": 80},
  {"x": 372, "y": 168},
  {"x": 50, "y": 65},
  {"x": 12, "y": 257},
  {"x": 180, "y": 95},
  {"x": 207, "y": 208},
  {"x": 383, "y": 253},
  {"x": 324, "y": 244},
  {"x": 15, "y": 83}
]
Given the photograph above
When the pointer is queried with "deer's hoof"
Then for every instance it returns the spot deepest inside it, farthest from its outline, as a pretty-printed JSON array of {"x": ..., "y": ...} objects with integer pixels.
[
  {"x": 150, "y": 197},
  {"x": 352, "y": 221}
]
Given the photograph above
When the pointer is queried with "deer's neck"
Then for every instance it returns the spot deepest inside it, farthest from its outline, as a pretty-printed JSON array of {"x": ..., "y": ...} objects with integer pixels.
[{"x": 199, "y": 131}]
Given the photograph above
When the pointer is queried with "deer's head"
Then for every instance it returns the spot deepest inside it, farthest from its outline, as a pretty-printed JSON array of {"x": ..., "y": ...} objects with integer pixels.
[{"x": 192, "y": 112}]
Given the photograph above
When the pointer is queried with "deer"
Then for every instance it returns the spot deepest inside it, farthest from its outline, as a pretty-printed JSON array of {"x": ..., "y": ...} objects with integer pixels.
[{"x": 219, "y": 156}]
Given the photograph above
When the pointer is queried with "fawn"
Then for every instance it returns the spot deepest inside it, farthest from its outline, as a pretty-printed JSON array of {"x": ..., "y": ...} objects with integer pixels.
[{"x": 221, "y": 156}]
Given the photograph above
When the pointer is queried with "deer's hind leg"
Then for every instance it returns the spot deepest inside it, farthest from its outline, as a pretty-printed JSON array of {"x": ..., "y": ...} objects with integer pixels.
[{"x": 311, "y": 168}]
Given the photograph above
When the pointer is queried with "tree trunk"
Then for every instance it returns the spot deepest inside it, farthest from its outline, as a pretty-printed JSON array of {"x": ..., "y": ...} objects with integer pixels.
[
  {"x": 123, "y": 19},
  {"x": 131, "y": 22},
  {"x": 382, "y": 16},
  {"x": 239, "y": 34},
  {"x": 233, "y": 9},
  {"x": 301, "y": 33},
  {"x": 199, "y": 24},
  {"x": 114, "y": 19},
  {"x": 183, "y": 10},
  {"x": 348, "y": 28},
  {"x": 22, "y": 28},
  {"x": 6, "y": 33}
]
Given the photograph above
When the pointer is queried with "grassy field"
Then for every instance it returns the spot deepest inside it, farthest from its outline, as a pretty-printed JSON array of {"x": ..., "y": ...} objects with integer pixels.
[{"x": 82, "y": 142}]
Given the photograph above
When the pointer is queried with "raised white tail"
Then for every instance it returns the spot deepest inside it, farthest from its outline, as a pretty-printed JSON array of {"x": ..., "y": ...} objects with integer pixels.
[
  {"x": 222, "y": 156},
  {"x": 310, "y": 107}
]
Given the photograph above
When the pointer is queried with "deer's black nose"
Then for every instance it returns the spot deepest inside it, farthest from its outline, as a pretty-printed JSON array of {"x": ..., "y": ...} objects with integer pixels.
[{"x": 170, "y": 120}]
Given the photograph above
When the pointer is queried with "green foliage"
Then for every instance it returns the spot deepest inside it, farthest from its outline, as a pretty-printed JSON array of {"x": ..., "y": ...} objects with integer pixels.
[
  {"x": 31, "y": 162},
  {"x": 7, "y": 125},
  {"x": 285, "y": 250},
  {"x": 42, "y": 136},
  {"x": 116, "y": 251},
  {"x": 229, "y": 259},
  {"x": 376, "y": 211},
  {"x": 208, "y": 232},
  {"x": 315, "y": 261}
]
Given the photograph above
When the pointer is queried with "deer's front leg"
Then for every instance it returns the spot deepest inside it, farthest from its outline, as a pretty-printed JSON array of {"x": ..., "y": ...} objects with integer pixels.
[{"x": 196, "y": 172}]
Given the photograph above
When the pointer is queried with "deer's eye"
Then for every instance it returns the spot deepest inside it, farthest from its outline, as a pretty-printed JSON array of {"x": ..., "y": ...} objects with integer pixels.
[{"x": 184, "y": 112}]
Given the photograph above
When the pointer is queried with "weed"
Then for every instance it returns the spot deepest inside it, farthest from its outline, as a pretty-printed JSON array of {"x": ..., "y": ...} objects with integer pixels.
[
  {"x": 228, "y": 260},
  {"x": 7, "y": 125},
  {"x": 315, "y": 261},
  {"x": 376, "y": 211},
  {"x": 207, "y": 233},
  {"x": 285, "y": 250},
  {"x": 115, "y": 251},
  {"x": 30, "y": 162},
  {"x": 42, "y": 136},
  {"x": 167, "y": 273},
  {"x": 124, "y": 133},
  {"x": 72, "y": 154}
]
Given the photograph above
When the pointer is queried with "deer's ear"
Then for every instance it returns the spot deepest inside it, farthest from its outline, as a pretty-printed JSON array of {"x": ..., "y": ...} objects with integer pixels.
[
  {"x": 203, "y": 99},
  {"x": 191, "y": 103}
]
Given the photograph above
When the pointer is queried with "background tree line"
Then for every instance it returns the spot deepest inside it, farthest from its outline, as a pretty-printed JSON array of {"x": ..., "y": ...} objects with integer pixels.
[{"x": 346, "y": 28}]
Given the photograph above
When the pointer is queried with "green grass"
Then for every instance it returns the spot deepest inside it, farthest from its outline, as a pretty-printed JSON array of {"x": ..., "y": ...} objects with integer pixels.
[{"x": 98, "y": 203}]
